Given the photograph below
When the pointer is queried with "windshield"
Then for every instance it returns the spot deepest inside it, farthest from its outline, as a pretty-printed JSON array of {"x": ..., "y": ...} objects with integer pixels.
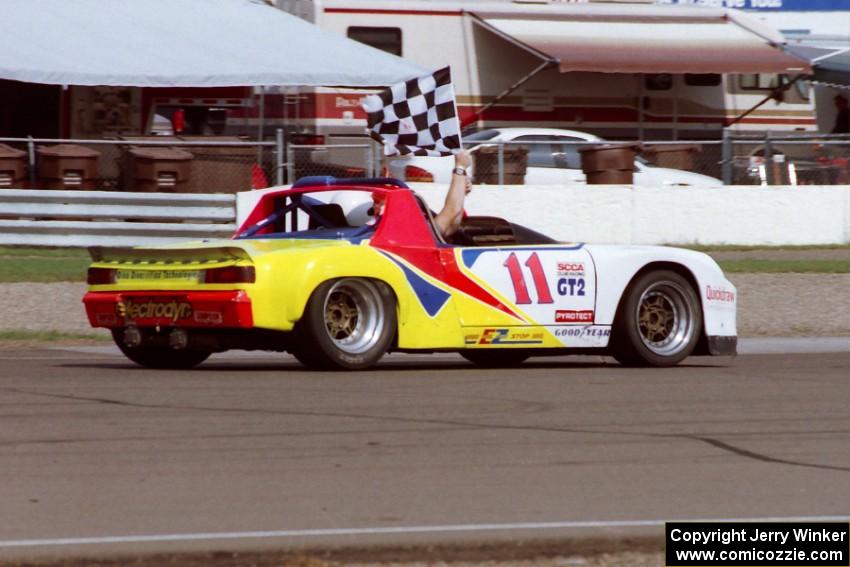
[
  {"x": 338, "y": 215},
  {"x": 481, "y": 135}
]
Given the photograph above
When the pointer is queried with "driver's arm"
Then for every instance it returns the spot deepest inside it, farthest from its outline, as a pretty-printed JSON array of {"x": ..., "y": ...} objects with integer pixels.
[{"x": 448, "y": 219}]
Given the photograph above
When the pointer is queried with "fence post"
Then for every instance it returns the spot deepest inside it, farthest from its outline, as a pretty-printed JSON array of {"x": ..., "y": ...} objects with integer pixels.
[
  {"x": 279, "y": 158},
  {"x": 370, "y": 161},
  {"x": 768, "y": 159},
  {"x": 290, "y": 164},
  {"x": 728, "y": 157},
  {"x": 501, "y": 163},
  {"x": 31, "y": 151}
]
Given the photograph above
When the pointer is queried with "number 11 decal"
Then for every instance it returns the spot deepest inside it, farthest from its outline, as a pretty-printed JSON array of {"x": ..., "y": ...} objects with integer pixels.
[{"x": 541, "y": 286}]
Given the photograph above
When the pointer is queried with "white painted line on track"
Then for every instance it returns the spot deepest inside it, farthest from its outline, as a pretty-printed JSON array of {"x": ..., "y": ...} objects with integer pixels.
[{"x": 283, "y": 534}]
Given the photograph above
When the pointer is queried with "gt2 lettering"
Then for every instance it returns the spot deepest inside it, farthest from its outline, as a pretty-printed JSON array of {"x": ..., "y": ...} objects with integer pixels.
[
  {"x": 541, "y": 285},
  {"x": 571, "y": 286}
]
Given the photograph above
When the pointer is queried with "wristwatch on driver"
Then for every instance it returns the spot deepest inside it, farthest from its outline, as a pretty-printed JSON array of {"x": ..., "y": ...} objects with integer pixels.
[{"x": 460, "y": 171}]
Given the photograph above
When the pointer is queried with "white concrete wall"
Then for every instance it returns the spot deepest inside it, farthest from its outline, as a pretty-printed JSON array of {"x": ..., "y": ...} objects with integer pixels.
[{"x": 677, "y": 215}]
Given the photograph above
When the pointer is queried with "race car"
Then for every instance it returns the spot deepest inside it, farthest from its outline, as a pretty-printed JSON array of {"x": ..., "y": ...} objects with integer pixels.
[{"x": 338, "y": 272}]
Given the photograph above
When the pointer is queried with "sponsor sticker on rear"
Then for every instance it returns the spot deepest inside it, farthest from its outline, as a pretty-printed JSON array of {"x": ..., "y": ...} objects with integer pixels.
[
  {"x": 171, "y": 309},
  {"x": 158, "y": 275}
]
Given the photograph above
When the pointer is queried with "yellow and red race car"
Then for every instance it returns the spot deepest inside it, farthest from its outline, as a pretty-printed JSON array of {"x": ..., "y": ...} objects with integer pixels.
[{"x": 317, "y": 271}]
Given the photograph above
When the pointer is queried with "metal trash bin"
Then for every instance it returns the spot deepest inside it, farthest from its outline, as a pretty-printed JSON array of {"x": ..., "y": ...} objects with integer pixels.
[
  {"x": 157, "y": 169},
  {"x": 485, "y": 168},
  {"x": 13, "y": 167},
  {"x": 220, "y": 169},
  {"x": 67, "y": 166},
  {"x": 609, "y": 164},
  {"x": 676, "y": 156}
]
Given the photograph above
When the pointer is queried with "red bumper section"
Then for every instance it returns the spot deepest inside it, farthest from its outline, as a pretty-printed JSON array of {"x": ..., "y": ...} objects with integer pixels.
[{"x": 204, "y": 309}]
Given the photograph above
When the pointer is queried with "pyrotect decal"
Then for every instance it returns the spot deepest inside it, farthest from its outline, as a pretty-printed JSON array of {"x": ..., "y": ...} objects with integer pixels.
[{"x": 567, "y": 316}]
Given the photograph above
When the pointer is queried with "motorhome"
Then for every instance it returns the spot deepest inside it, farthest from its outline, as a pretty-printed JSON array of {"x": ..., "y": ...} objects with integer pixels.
[{"x": 633, "y": 70}]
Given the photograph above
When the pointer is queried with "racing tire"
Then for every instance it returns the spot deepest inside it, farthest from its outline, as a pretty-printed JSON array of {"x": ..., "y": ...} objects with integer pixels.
[
  {"x": 160, "y": 356},
  {"x": 348, "y": 324},
  {"x": 487, "y": 358},
  {"x": 659, "y": 321}
]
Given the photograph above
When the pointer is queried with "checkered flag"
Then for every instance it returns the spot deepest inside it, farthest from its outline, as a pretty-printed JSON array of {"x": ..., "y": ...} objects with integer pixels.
[{"x": 416, "y": 117}]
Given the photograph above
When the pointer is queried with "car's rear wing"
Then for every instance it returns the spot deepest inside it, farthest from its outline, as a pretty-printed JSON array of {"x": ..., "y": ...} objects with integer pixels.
[{"x": 201, "y": 255}]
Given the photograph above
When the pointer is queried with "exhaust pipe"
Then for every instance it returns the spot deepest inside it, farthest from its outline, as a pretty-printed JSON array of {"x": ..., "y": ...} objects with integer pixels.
[
  {"x": 132, "y": 337},
  {"x": 178, "y": 339}
]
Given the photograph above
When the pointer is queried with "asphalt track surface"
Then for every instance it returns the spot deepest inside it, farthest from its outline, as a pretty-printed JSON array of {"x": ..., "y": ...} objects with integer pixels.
[{"x": 251, "y": 452}]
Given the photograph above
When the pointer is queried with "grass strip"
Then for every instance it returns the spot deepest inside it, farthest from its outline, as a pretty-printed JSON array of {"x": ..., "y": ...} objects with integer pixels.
[
  {"x": 755, "y": 266},
  {"x": 47, "y": 265},
  {"x": 749, "y": 248},
  {"x": 43, "y": 269},
  {"x": 28, "y": 264},
  {"x": 42, "y": 252},
  {"x": 49, "y": 336}
]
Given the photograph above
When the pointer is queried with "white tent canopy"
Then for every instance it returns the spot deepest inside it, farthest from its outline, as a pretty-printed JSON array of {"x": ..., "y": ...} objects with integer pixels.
[
  {"x": 640, "y": 38},
  {"x": 182, "y": 43}
]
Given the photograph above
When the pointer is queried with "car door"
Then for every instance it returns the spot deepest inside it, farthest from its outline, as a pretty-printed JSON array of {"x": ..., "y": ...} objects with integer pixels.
[
  {"x": 552, "y": 160},
  {"x": 530, "y": 287}
]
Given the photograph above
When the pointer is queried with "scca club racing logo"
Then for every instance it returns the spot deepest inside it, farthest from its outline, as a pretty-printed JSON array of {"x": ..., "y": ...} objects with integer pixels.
[
  {"x": 570, "y": 269},
  {"x": 153, "y": 309}
]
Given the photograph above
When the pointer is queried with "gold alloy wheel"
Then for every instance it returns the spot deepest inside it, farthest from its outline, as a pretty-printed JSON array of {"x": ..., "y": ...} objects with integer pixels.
[
  {"x": 354, "y": 315},
  {"x": 665, "y": 318}
]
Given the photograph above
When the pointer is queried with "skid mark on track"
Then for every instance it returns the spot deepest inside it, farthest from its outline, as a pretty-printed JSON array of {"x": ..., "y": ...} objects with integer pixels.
[{"x": 712, "y": 442}]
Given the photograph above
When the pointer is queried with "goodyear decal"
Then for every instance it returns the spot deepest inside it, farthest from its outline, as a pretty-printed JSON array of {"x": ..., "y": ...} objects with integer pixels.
[{"x": 431, "y": 297}]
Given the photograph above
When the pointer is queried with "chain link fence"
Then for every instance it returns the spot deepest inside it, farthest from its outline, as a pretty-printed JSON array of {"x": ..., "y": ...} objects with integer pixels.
[
  {"x": 169, "y": 164},
  {"x": 230, "y": 165},
  {"x": 736, "y": 160},
  {"x": 786, "y": 160},
  {"x": 144, "y": 164},
  {"x": 338, "y": 160},
  {"x": 569, "y": 162}
]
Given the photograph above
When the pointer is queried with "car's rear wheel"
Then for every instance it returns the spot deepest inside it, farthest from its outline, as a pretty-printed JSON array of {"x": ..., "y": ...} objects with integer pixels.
[
  {"x": 348, "y": 324},
  {"x": 658, "y": 322},
  {"x": 160, "y": 356},
  {"x": 490, "y": 358}
]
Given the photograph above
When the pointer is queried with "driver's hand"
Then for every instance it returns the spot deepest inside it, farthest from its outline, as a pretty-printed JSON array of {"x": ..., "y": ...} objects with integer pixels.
[{"x": 463, "y": 159}]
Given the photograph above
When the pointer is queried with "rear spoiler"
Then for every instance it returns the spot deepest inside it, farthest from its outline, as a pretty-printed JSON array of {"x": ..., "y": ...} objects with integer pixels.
[{"x": 209, "y": 255}]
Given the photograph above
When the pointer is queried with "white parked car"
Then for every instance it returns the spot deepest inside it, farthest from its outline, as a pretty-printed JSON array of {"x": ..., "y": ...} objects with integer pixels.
[{"x": 553, "y": 159}]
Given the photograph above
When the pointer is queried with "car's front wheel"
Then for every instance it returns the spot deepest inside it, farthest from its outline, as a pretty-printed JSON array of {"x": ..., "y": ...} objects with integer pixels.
[
  {"x": 658, "y": 322},
  {"x": 348, "y": 324}
]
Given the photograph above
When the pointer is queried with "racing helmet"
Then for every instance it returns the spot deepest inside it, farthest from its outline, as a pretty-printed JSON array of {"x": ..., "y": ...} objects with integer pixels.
[{"x": 356, "y": 205}]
